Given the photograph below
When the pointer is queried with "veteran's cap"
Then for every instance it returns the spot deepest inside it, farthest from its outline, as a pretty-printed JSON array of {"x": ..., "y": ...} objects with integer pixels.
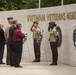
[
  {"x": 52, "y": 22},
  {"x": 35, "y": 22},
  {"x": 9, "y": 18}
]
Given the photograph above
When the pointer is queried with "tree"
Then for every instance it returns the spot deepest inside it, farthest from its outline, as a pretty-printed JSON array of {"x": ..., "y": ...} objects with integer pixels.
[
  {"x": 49, "y": 3},
  {"x": 69, "y": 2},
  {"x": 30, "y": 4}
]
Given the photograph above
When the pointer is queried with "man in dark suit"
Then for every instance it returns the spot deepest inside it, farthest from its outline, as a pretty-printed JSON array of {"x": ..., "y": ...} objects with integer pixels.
[
  {"x": 11, "y": 42},
  {"x": 2, "y": 43},
  {"x": 10, "y": 20}
]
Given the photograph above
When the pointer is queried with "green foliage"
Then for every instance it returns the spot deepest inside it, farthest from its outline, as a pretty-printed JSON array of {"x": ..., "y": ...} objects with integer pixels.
[
  {"x": 69, "y": 2},
  {"x": 29, "y": 4},
  {"x": 2, "y": 9},
  {"x": 49, "y": 3}
]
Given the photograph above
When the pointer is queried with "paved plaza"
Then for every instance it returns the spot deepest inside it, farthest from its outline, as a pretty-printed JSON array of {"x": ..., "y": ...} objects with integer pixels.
[{"x": 41, "y": 68}]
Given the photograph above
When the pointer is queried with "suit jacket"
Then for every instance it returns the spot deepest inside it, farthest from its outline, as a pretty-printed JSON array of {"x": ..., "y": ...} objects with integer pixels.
[
  {"x": 11, "y": 32},
  {"x": 2, "y": 38}
]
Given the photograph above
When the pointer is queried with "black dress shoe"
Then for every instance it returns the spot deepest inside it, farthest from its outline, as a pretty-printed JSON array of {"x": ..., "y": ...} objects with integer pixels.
[
  {"x": 36, "y": 61},
  {"x": 12, "y": 65},
  {"x": 53, "y": 64},
  {"x": 7, "y": 64},
  {"x": 18, "y": 66},
  {"x": 2, "y": 63}
]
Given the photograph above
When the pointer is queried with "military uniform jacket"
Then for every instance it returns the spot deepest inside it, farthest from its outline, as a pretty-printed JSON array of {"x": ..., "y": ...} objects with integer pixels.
[
  {"x": 53, "y": 35},
  {"x": 35, "y": 32}
]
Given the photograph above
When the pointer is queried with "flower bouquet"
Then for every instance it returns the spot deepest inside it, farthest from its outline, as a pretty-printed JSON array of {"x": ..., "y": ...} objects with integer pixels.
[
  {"x": 25, "y": 33},
  {"x": 40, "y": 36}
]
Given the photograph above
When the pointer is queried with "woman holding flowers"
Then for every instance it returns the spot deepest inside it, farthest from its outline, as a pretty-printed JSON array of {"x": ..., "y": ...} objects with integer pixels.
[{"x": 18, "y": 41}]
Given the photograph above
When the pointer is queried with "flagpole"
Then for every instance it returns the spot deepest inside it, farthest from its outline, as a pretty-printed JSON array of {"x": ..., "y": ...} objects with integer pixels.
[{"x": 62, "y": 3}]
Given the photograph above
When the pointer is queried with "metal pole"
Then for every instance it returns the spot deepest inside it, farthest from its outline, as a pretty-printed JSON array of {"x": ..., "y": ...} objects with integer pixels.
[
  {"x": 39, "y": 3},
  {"x": 62, "y": 2}
]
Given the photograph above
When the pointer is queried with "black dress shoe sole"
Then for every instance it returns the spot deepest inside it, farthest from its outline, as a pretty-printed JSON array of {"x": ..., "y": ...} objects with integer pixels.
[
  {"x": 35, "y": 61},
  {"x": 2, "y": 63},
  {"x": 7, "y": 64},
  {"x": 18, "y": 66},
  {"x": 53, "y": 64},
  {"x": 12, "y": 65}
]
